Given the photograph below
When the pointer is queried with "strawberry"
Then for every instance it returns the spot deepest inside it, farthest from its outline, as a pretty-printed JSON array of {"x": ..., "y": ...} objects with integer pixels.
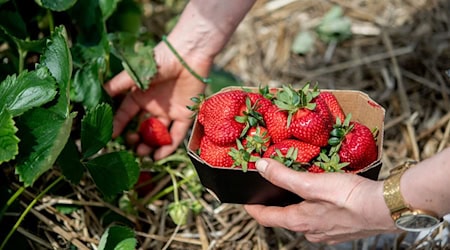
[
  {"x": 144, "y": 184},
  {"x": 154, "y": 133},
  {"x": 276, "y": 123},
  {"x": 215, "y": 155},
  {"x": 257, "y": 139},
  {"x": 358, "y": 147},
  {"x": 305, "y": 152},
  {"x": 223, "y": 133},
  {"x": 304, "y": 121},
  {"x": 333, "y": 105},
  {"x": 221, "y": 106},
  {"x": 243, "y": 157},
  {"x": 316, "y": 169},
  {"x": 262, "y": 100}
]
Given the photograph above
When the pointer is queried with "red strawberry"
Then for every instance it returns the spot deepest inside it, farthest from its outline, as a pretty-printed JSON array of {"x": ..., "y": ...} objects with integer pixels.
[
  {"x": 257, "y": 139},
  {"x": 305, "y": 152},
  {"x": 333, "y": 105},
  {"x": 243, "y": 157},
  {"x": 262, "y": 99},
  {"x": 358, "y": 147},
  {"x": 154, "y": 133},
  {"x": 144, "y": 185},
  {"x": 316, "y": 169},
  {"x": 223, "y": 133},
  {"x": 304, "y": 121},
  {"x": 276, "y": 123},
  {"x": 215, "y": 155},
  {"x": 221, "y": 106}
]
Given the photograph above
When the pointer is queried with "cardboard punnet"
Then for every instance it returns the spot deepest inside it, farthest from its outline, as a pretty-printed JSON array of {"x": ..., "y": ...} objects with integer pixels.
[{"x": 232, "y": 185}]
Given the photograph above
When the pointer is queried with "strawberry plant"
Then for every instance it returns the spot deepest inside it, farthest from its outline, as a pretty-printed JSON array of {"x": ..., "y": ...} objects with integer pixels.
[{"x": 55, "y": 117}]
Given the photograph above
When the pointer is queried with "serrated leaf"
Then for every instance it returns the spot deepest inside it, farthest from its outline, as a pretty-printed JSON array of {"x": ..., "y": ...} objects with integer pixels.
[
  {"x": 8, "y": 140},
  {"x": 138, "y": 62},
  {"x": 43, "y": 134},
  {"x": 87, "y": 84},
  {"x": 57, "y": 58},
  {"x": 117, "y": 238},
  {"x": 96, "y": 129},
  {"x": 114, "y": 172},
  {"x": 69, "y": 162},
  {"x": 60, "y": 5},
  {"x": 28, "y": 90}
]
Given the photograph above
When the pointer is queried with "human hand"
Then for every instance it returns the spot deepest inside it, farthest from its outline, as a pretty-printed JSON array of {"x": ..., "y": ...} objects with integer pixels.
[
  {"x": 166, "y": 98},
  {"x": 337, "y": 207}
]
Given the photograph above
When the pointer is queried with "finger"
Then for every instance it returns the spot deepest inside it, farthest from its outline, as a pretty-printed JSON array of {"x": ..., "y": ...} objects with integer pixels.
[
  {"x": 143, "y": 150},
  {"x": 127, "y": 110},
  {"x": 178, "y": 131},
  {"x": 132, "y": 138},
  {"x": 119, "y": 84},
  {"x": 310, "y": 186},
  {"x": 269, "y": 216}
]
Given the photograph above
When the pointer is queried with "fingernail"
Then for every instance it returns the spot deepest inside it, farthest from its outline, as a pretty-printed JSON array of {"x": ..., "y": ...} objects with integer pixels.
[{"x": 261, "y": 165}]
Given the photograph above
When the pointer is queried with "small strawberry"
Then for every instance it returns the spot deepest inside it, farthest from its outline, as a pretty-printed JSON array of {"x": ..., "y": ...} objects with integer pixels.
[
  {"x": 315, "y": 169},
  {"x": 243, "y": 158},
  {"x": 257, "y": 138},
  {"x": 154, "y": 133},
  {"x": 215, "y": 155},
  {"x": 333, "y": 105},
  {"x": 144, "y": 184},
  {"x": 305, "y": 152}
]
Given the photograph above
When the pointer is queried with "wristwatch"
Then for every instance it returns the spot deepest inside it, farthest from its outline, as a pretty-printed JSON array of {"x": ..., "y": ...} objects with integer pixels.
[{"x": 404, "y": 216}]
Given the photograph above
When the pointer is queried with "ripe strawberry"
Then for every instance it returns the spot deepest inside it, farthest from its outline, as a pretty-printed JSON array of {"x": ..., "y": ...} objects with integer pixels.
[
  {"x": 215, "y": 155},
  {"x": 276, "y": 123},
  {"x": 257, "y": 139},
  {"x": 333, "y": 105},
  {"x": 154, "y": 133},
  {"x": 304, "y": 121},
  {"x": 305, "y": 152},
  {"x": 358, "y": 147},
  {"x": 223, "y": 133},
  {"x": 222, "y": 106},
  {"x": 315, "y": 169},
  {"x": 243, "y": 157},
  {"x": 262, "y": 99},
  {"x": 144, "y": 184}
]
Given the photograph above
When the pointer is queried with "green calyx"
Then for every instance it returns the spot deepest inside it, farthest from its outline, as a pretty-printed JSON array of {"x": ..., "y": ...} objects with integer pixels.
[
  {"x": 290, "y": 100},
  {"x": 330, "y": 163},
  {"x": 250, "y": 117},
  {"x": 290, "y": 159},
  {"x": 242, "y": 156},
  {"x": 258, "y": 140}
]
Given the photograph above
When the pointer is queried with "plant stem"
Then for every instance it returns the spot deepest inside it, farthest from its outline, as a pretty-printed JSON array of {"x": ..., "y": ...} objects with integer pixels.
[
  {"x": 183, "y": 62},
  {"x": 174, "y": 184},
  {"x": 12, "y": 199},
  {"x": 51, "y": 23},
  {"x": 166, "y": 191},
  {"x": 27, "y": 210}
]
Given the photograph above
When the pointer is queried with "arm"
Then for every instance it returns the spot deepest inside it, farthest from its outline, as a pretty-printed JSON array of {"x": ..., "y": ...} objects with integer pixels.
[
  {"x": 202, "y": 31},
  {"x": 340, "y": 207}
]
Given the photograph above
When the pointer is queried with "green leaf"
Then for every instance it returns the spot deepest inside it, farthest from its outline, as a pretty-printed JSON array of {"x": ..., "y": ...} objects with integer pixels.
[
  {"x": 13, "y": 24},
  {"x": 28, "y": 90},
  {"x": 60, "y": 5},
  {"x": 69, "y": 162},
  {"x": 114, "y": 172},
  {"x": 108, "y": 7},
  {"x": 118, "y": 238},
  {"x": 96, "y": 129},
  {"x": 138, "y": 62},
  {"x": 58, "y": 60},
  {"x": 8, "y": 140},
  {"x": 87, "y": 84},
  {"x": 334, "y": 26},
  {"x": 303, "y": 42},
  {"x": 87, "y": 16},
  {"x": 43, "y": 134}
]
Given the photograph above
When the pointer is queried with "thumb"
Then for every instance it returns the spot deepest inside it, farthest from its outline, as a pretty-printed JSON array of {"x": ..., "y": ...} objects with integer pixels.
[{"x": 309, "y": 186}]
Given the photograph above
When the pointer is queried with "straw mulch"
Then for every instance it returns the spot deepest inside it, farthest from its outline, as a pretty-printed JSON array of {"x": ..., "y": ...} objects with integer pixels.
[{"x": 399, "y": 54}]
